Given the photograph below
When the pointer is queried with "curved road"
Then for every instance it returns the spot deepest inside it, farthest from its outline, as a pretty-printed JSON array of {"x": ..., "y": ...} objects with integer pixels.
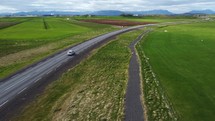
[{"x": 13, "y": 86}]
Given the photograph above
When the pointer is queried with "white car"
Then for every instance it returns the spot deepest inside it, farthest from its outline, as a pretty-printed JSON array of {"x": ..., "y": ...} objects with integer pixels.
[{"x": 70, "y": 52}]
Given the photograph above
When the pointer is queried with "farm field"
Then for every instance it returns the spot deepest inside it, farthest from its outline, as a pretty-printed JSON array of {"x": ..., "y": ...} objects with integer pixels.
[
  {"x": 145, "y": 19},
  {"x": 38, "y": 31},
  {"x": 30, "y": 41},
  {"x": 182, "y": 58},
  {"x": 117, "y": 22},
  {"x": 5, "y": 22},
  {"x": 41, "y": 28},
  {"x": 93, "y": 90}
]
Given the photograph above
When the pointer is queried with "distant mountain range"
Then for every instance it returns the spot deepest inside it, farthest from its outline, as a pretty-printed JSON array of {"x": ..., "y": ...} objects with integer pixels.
[
  {"x": 106, "y": 13},
  {"x": 201, "y": 12},
  {"x": 151, "y": 12},
  {"x": 40, "y": 13}
]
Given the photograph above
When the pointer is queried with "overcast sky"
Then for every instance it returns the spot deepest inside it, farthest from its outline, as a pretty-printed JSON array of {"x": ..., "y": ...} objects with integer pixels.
[{"x": 176, "y": 6}]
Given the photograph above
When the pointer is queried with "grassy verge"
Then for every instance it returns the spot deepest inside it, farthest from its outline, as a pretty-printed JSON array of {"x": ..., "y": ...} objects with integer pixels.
[
  {"x": 181, "y": 58},
  {"x": 158, "y": 107},
  {"x": 93, "y": 90}
]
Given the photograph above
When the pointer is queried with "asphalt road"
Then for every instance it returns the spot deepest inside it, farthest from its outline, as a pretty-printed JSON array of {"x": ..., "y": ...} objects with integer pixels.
[
  {"x": 133, "y": 105},
  {"x": 19, "y": 82}
]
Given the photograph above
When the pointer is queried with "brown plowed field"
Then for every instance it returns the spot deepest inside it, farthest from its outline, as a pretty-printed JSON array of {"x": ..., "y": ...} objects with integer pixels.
[
  {"x": 7, "y": 24},
  {"x": 117, "y": 22}
]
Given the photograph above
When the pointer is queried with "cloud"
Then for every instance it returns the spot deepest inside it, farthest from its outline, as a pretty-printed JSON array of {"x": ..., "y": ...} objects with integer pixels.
[
  {"x": 177, "y": 6},
  {"x": 5, "y": 9}
]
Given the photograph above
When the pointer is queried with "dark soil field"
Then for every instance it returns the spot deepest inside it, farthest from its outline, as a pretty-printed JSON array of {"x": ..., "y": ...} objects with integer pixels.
[
  {"x": 7, "y": 24},
  {"x": 116, "y": 22}
]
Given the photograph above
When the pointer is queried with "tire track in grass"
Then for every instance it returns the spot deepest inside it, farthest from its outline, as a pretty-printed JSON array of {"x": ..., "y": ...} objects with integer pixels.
[{"x": 46, "y": 26}]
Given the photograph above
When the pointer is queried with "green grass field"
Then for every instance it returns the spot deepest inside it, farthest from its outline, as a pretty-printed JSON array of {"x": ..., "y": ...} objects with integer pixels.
[
  {"x": 30, "y": 41},
  {"x": 32, "y": 33},
  {"x": 182, "y": 57},
  {"x": 93, "y": 90},
  {"x": 34, "y": 30}
]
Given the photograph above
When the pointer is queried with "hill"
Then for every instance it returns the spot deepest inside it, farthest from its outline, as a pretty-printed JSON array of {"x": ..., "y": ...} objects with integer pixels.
[{"x": 207, "y": 11}]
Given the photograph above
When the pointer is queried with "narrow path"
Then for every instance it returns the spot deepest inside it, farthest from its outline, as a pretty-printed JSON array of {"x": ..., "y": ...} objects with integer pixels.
[{"x": 133, "y": 106}]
